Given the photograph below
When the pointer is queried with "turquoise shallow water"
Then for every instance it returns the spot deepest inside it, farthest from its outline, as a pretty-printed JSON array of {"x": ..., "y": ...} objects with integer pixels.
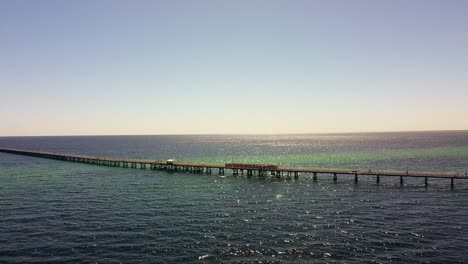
[{"x": 60, "y": 212}]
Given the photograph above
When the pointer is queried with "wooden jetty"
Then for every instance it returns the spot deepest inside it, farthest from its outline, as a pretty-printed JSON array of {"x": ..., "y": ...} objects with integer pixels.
[{"x": 200, "y": 167}]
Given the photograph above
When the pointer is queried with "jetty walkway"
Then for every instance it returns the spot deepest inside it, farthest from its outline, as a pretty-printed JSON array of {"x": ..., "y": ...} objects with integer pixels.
[{"x": 240, "y": 169}]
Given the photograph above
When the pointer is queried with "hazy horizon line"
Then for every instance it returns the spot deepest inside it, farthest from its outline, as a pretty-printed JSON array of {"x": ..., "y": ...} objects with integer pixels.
[{"x": 247, "y": 134}]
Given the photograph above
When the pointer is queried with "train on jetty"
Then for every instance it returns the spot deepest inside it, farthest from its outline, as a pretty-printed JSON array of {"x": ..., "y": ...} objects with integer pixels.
[
  {"x": 236, "y": 168},
  {"x": 245, "y": 166}
]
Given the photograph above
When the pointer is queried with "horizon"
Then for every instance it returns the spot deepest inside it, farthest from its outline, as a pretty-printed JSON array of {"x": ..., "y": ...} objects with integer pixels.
[
  {"x": 244, "y": 67},
  {"x": 248, "y": 134}
]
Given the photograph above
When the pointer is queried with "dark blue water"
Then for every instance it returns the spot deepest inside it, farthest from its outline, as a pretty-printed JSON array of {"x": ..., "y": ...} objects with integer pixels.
[{"x": 62, "y": 212}]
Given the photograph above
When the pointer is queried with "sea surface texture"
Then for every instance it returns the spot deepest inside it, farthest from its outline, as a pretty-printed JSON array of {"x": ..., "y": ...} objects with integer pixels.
[{"x": 63, "y": 212}]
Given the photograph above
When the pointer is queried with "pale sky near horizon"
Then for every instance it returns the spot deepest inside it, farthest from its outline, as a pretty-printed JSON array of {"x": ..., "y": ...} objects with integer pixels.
[{"x": 195, "y": 67}]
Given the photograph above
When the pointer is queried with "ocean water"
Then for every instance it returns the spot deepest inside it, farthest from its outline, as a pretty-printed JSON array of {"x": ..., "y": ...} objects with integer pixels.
[{"x": 63, "y": 212}]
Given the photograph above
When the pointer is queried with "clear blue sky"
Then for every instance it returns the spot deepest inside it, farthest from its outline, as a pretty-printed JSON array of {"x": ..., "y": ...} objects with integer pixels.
[{"x": 163, "y": 67}]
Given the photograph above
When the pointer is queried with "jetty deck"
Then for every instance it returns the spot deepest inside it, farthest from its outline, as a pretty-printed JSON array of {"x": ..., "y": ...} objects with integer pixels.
[{"x": 200, "y": 167}]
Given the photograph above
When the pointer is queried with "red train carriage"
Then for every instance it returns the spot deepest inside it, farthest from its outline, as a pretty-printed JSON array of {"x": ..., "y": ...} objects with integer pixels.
[{"x": 246, "y": 166}]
